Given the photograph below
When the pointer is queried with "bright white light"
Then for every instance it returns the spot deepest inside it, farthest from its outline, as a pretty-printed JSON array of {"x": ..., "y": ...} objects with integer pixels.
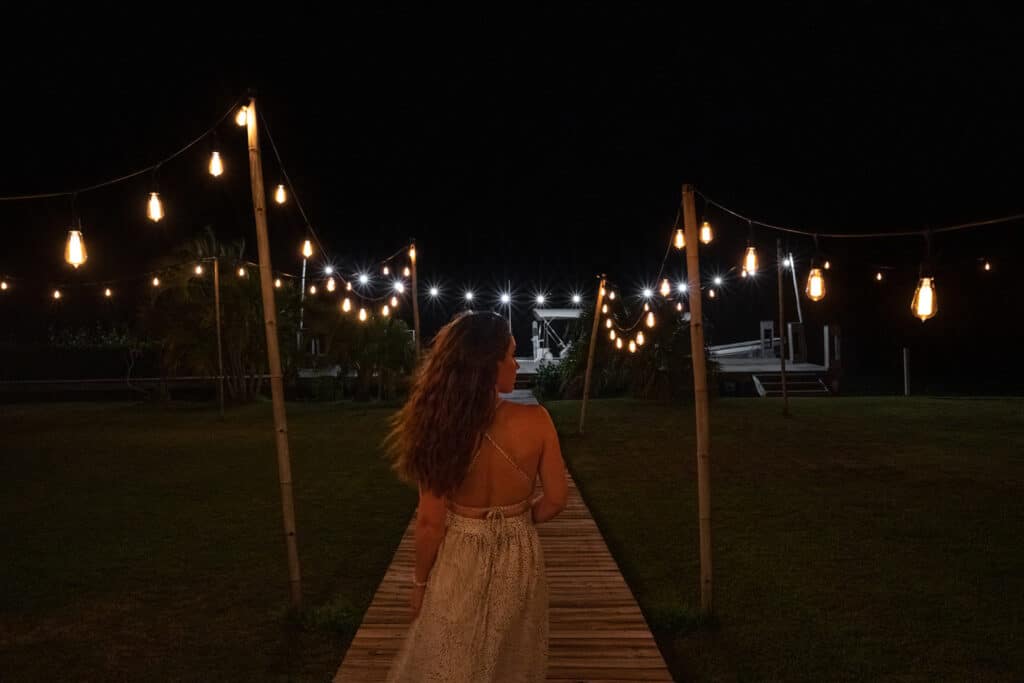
[
  {"x": 648, "y": 293},
  {"x": 682, "y": 288},
  {"x": 718, "y": 280},
  {"x": 434, "y": 291},
  {"x": 328, "y": 270},
  {"x": 576, "y": 298},
  {"x": 505, "y": 298},
  {"x": 540, "y": 299},
  {"x": 787, "y": 262},
  {"x": 399, "y": 287},
  {"x": 469, "y": 296},
  {"x": 363, "y": 278}
]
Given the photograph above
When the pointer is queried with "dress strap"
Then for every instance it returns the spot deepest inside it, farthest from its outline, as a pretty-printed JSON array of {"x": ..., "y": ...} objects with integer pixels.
[{"x": 506, "y": 455}]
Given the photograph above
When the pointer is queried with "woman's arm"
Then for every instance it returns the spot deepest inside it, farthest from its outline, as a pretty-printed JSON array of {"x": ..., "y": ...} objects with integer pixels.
[
  {"x": 552, "y": 473},
  {"x": 430, "y": 530}
]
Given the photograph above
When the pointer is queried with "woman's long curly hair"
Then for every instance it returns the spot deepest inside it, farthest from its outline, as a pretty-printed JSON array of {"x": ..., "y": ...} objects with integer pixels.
[{"x": 451, "y": 403}]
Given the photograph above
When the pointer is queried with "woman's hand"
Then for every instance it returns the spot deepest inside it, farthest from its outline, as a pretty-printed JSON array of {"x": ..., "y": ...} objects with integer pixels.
[{"x": 416, "y": 600}]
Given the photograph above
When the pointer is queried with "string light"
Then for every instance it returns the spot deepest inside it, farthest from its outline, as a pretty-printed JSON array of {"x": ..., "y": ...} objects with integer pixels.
[
  {"x": 3, "y": 285},
  {"x": 406, "y": 272},
  {"x": 878, "y": 276},
  {"x": 650, "y": 319},
  {"x": 107, "y": 293},
  {"x": 925, "y": 304},
  {"x": 307, "y": 249},
  {"x": 611, "y": 296},
  {"x": 312, "y": 289},
  {"x": 74, "y": 251},
  {"x": 155, "y": 282},
  {"x": 385, "y": 311},
  {"x": 56, "y": 294},
  {"x": 815, "y": 288},
  {"x": 277, "y": 283},
  {"x": 647, "y": 307},
  {"x": 711, "y": 293},
  {"x": 198, "y": 270},
  {"x": 242, "y": 117},
  {"x": 241, "y": 271},
  {"x": 362, "y": 315},
  {"x": 394, "y": 302},
  {"x": 618, "y": 343},
  {"x": 750, "y": 261},
  {"x": 632, "y": 346},
  {"x": 348, "y": 286},
  {"x": 988, "y": 266},
  {"x": 280, "y": 196},
  {"x": 640, "y": 339},
  {"x": 604, "y": 308},
  {"x": 680, "y": 240},
  {"x": 346, "y": 305},
  {"x": 828, "y": 265},
  {"x": 387, "y": 271},
  {"x": 679, "y": 306},
  {"x": 743, "y": 273},
  {"x": 216, "y": 166},
  {"x": 706, "y": 234},
  {"x": 608, "y": 323},
  {"x": 154, "y": 210},
  {"x": 611, "y": 334},
  {"x": 412, "y": 253},
  {"x": 602, "y": 290},
  {"x": 666, "y": 288},
  {"x": 331, "y": 285}
]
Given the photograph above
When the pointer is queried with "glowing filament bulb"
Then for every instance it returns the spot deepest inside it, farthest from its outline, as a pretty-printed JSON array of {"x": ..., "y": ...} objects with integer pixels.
[
  {"x": 611, "y": 295},
  {"x": 618, "y": 343},
  {"x": 56, "y": 294},
  {"x": 280, "y": 196},
  {"x": 412, "y": 253},
  {"x": 680, "y": 240},
  {"x": 241, "y": 272},
  {"x": 74, "y": 251},
  {"x": 815, "y": 288},
  {"x": 348, "y": 286},
  {"x": 711, "y": 293},
  {"x": 3, "y": 286},
  {"x": 647, "y": 307},
  {"x": 679, "y": 306},
  {"x": 706, "y": 235},
  {"x": 312, "y": 289},
  {"x": 156, "y": 282},
  {"x": 988, "y": 266},
  {"x": 604, "y": 308},
  {"x": 387, "y": 271},
  {"x": 650, "y": 319},
  {"x": 828, "y": 265},
  {"x": 666, "y": 288},
  {"x": 611, "y": 334},
  {"x": 346, "y": 305},
  {"x": 154, "y": 210},
  {"x": 385, "y": 311},
  {"x": 331, "y": 284},
  {"x": 750, "y": 261},
  {"x": 394, "y": 302},
  {"x": 602, "y": 291},
  {"x": 107, "y": 293},
  {"x": 362, "y": 315},
  {"x": 216, "y": 166},
  {"x": 406, "y": 272},
  {"x": 878, "y": 276},
  {"x": 925, "y": 304},
  {"x": 242, "y": 117},
  {"x": 307, "y": 249},
  {"x": 632, "y": 346},
  {"x": 640, "y": 339},
  {"x": 277, "y": 283},
  {"x": 743, "y": 273},
  {"x": 198, "y": 270},
  {"x": 608, "y": 323}
]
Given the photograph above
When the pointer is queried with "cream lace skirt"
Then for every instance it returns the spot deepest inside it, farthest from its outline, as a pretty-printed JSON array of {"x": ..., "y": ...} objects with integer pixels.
[{"x": 485, "y": 612}]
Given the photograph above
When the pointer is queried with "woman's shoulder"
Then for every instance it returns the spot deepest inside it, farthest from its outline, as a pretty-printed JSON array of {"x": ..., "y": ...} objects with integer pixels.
[{"x": 523, "y": 416}]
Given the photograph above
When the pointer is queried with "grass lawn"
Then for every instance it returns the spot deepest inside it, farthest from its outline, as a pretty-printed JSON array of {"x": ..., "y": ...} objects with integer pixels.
[
  {"x": 862, "y": 539},
  {"x": 146, "y": 543}
]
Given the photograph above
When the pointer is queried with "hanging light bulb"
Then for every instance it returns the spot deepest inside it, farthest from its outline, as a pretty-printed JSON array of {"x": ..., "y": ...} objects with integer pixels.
[
  {"x": 743, "y": 273},
  {"x": 412, "y": 253},
  {"x": 277, "y": 283},
  {"x": 242, "y": 117},
  {"x": 925, "y": 304},
  {"x": 348, "y": 286},
  {"x": 679, "y": 306},
  {"x": 346, "y": 305},
  {"x": 155, "y": 209},
  {"x": 706, "y": 235},
  {"x": 198, "y": 270},
  {"x": 387, "y": 271},
  {"x": 307, "y": 249},
  {"x": 216, "y": 167},
  {"x": 241, "y": 271},
  {"x": 406, "y": 272},
  {"x": 650, "y": 319},
  {"x": 647, "y": 307},
  {"x": 362, "y": 315},
  {"x": 155, "y": 282},
  {"x": 680, "y": 239},
  {"x": 312, "y": 289},
  {"x": 611, "y": 334},
  {"x": 604, "y": 308},
  {"x": 632, "y": 346},
  {"x": 74, "y": 251},
  {"x": 618, "y": 343},
  {"x": 3, "y": 285},
  {"x": 828, "y": 265},
  {"x": 331, "y": 285},
  {"x": 107, "y": 293},
  {"x": 394, "y": 302},
  {"x": 878, "y": 276},
  {"x": 711, "y": 293},
  {"x": 608, "y": 323},
  {"x": 987, "y": 266},
  {"x": 815, "y": 288},
  {"x": 611, "y": 295},
  {"x": 640, "y": 339},
  {"x": 56, "y": 294},
  {"x": 385, "y": 311},
  {"x": 280, "y": 196},
  {"x": 666, "y": 287},
  {"x": 750, "y": 261},
  {"x": 602, "y": 290}
]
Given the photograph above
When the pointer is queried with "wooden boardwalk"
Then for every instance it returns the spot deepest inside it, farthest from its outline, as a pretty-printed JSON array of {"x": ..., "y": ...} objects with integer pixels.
[{"x": 597, "y": 631}]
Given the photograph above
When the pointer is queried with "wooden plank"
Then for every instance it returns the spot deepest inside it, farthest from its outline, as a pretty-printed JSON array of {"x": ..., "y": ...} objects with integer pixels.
[{"x": 597, "y": 631}]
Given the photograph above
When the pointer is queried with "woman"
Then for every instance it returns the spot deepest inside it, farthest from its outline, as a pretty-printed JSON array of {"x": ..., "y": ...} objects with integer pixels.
[{"x": 479, "y": 594}]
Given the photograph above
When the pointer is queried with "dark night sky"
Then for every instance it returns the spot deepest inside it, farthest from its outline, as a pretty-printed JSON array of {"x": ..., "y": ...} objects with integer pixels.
[{"x": 545, "y": 148}]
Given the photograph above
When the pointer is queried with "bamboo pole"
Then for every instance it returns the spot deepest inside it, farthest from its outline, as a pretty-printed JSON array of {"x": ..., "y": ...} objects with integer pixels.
[
  {"x": 590, "y": 351},
  {"x": 700, "y": 395},
  {"x": 415, "y": 301},
  {"x": 782, "y": 330},
  {"x": 284, "y": 468},
  {"x": 220, "y": 348}
]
